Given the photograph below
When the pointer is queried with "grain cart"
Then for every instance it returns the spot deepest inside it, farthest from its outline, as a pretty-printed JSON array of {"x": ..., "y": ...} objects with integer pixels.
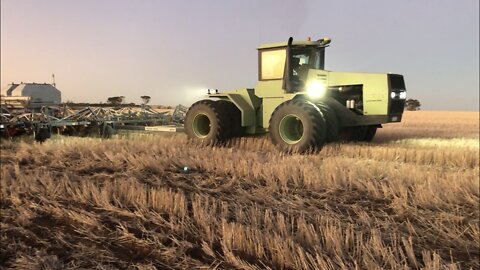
[{"x": 302, "y": 105}]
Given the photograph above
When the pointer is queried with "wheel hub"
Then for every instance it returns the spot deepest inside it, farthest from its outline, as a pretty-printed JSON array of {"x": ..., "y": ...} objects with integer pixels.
[
  {"x": 201, "y": 125},
  {"x": 291, "y": 129}
]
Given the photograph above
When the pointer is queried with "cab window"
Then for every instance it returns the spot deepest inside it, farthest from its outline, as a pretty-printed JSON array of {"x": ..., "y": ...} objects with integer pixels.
[
  {"x": 303, "y": 59},
  {"x": 308, "y": 57},
  {"x": 272, "y": 64}
]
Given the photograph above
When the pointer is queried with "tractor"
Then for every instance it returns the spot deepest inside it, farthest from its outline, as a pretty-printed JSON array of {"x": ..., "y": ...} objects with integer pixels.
[{"x": 299, "y": 103}]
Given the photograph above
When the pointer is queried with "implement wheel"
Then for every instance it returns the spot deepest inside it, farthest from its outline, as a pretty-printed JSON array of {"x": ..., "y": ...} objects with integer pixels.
[
  {"x": 106, "y": 131},
  {"x": 41, "y": 133},
  {"x": 298, "y": 126},
  {"x": 206, "y": 122}
]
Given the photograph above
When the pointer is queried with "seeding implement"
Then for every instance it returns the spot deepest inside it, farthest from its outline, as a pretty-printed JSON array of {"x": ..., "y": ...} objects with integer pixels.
[
  {"x": 302, "y": 105},
  {"x": 84, "y": 121}
]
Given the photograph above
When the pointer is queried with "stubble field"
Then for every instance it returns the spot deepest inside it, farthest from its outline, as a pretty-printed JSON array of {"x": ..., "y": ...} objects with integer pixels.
[{"x": 408, "y": 200}]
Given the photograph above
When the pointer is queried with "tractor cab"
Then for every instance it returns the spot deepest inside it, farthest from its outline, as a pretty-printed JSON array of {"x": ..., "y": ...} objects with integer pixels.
[{"x": 289, "y": 63}]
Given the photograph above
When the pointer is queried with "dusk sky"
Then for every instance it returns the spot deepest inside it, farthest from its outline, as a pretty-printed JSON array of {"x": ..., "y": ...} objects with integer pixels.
[{"x": 174, "y": 50}]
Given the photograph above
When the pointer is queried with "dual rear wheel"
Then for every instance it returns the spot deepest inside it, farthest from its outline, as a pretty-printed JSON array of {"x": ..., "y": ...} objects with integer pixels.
[{"x": 213, "y": 122}]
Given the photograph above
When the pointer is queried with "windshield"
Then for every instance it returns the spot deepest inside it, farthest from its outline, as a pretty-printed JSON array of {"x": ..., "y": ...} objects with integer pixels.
[
  {"x": 303, "y": 59},
  {"x": 310, "y": 57}
]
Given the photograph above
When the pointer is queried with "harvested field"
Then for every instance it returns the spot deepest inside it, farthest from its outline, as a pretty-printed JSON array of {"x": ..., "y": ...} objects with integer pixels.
[{"x": 408, "y": 200}]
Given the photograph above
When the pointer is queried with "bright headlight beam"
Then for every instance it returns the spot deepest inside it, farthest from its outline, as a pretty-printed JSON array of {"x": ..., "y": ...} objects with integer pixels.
[
  {"x": 316, "y": 89},
  {"x": 399, "y": 95}
]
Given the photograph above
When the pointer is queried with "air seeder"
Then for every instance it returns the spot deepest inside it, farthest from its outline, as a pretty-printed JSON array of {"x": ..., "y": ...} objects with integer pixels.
[{"x": 302, "y": 105}]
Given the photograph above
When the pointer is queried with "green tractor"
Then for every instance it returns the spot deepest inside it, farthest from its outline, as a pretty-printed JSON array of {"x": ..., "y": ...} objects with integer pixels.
[{"x": 302, "y": 105}]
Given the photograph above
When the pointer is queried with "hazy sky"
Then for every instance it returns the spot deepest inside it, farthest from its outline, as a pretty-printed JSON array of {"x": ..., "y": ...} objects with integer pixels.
[{"x": 171, "y": 50}]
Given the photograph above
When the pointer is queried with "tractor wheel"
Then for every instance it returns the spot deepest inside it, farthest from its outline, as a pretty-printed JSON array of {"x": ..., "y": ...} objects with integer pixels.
[
  {"x": 370, "y": 133},
  {"x": 331, "y": 121},
  {"x": 298, "y": 126},
  {"x": 235, "y": 117},
  {"x": 355, "y": 134},
  {"x": 207, "y": 122}
]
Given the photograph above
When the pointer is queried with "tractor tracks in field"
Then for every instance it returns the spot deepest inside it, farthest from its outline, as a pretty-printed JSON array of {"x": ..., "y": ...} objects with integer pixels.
[{"x": 296, "y": 202}]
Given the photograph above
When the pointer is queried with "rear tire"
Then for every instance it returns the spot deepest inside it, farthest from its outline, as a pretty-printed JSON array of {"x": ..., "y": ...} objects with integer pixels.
[
  {"x": 370, "y": 133},
  {"x": 360, "y": 133},
  {"x": 355, "y": 134},
  {"x": 297, "y": 126},
  {"x": 206, "y": 122}
]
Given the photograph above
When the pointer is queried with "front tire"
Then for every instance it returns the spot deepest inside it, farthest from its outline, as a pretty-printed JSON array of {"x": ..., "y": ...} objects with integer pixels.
[
  {"x": 331, "y": 120},
  {"x": 206, "y": 122},
  {"x": 297, "y": 126}
]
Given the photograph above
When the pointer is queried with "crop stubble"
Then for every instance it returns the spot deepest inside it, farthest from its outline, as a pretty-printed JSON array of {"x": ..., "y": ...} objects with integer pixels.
[{"x": 130, "y": 203}]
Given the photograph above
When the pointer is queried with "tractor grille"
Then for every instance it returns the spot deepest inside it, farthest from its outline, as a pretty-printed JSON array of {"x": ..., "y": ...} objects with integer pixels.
[
  {"x": 396, "y": 84},
  {"x": 396, "y": 106}
]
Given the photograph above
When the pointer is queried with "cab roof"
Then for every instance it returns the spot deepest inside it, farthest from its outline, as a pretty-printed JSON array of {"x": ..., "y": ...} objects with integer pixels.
[{"x": 321, "y": 43}]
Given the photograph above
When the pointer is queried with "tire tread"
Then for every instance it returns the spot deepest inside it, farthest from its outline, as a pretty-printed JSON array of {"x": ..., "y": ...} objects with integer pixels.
[{"x": 317, "y": 140}]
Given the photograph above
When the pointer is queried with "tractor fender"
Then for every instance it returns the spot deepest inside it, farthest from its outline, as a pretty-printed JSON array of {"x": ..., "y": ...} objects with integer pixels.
[{"x": 246, "y": 101}]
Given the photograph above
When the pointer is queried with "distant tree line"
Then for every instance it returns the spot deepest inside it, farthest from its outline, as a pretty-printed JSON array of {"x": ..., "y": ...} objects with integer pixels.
[
  {"x": 412, "y": 104},
  {"x": 115, "y": 101}
]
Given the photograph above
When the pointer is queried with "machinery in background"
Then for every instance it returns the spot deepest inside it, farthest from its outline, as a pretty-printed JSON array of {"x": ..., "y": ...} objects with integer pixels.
[{"x": 85, "y": 121}]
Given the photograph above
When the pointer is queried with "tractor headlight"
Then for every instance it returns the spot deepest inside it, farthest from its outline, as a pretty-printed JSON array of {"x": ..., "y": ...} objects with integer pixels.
[
  {"x": 316, "y": 89},
  {"x": 399, "y": 95}
]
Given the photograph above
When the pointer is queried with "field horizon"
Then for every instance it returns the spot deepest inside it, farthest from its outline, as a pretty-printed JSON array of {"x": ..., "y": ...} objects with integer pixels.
[{"x": 407, "y": 200}]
